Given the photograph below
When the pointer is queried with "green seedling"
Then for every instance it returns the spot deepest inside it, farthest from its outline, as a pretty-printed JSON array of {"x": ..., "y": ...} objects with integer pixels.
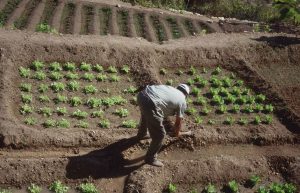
[
  {"x": 61, "y": 110},
  {"x": 229, "y": 121},
  {"x": 82, "y": 124},
  {"x": 60, "y": 99},
  {"x": 122, "y": 112},
  {"x": 260, "y": 98},
  {"x": 268, "y": 119},
  {"x": 170, "y": 82},
  {"x": 248, "y": 109},
  {"x": 189, "y": 101},
  {"x": 75, "y": 101},
  {"x": 24, "y": 72},
  {"x": 39, "y": 75},
  {"x": 195, "y": 91},
  {"x": 289, "y": 188},
  {"x": 71, "y": 76},
  {"x": 125, "y": 69},
  {"x": 34, "y": 188},
  {"x": 254, "y": 180},
  {"x": 222, "y": 109},
  {"x": 45, "y": 28},
  {"x": 45, "y": 111},
  {"x": 101, "y": 77},
  {"x": 276, "y": 188},
  {"x": 258, "y": 108},
  {"x": 163, "y": 71},
  {"x": 172, "y": 188},
  {"x": 236, "y": 91},
  {"x": 26, "y": 98},
  {"x": 243, "y": 121},
  {"x": 88, "y": 77},
  {"x": 55, "y": 76},
  {"x": 26, "y": 109},
  {"x": 262, "y": 189},
  {"x": 73, "y": 85},
  {"x": 200, "y": 101},
  {"x": 80, "y": 114},
  {"x": 90, "y": 89},
  {"x": 113, "y": 101},
  {"x": 63, "y": 123},
  {"x": 205, "y": 110},
  {"x": 227, "y": 82},
  {"x": 198, "y": 120},
  {"x": 232, "y": 76},
  {"x": 214, "y": 91},
  {"x": 224, "y": 92},
  {"x": 210, "y": 188},
  {"x": 95, "y": 114},
  {"x": 257, "y": 120},
  {"x": 57, "y": 86},
  {"x": 190, "y": 81},
  {"x": 30, "y": 121},
  {"x": 49, "y": 123},
  {"x": 215, "y": 82},
  {"x": 191, "y": 111},
  {"x": 87, "y": 188},
  {"x": 241, "y": 100},
  {"x": 69, "y": 66},
  {"x": 198, "y": 78},
  {"x": 251, "y": 100},
  {"x": 26, "y": 87},
  {"x": 192, "y": 71},
  {"x": 236, "y": 108},
  {"x": 55, "y": 66},
  {"x": 131, "y": 90},
  {"x": 133, "y": 100},
  {"x": 233, "y": 186},
  {"x": 104, "y": 123},
  {"x": 43, "y": 88},
  {"x": 211, "y": 122},
  {"x": 204, "y": 70},
  {"x": 217, "y": 71},
  {"x": 94, "y": 102},
  {"x": 85, "y": 67},
  {"x": 98, "y": 68},
  {"x": 239, "y": 83},
  {"x": 179, "y": 72},
  {"x": 230, "y": 99},
  {"x": 202, "y": 83},
  {"x": 129, "y": 124},
  {"x": 112, "y": 69},
  {"x": 246, "y": 91},
  {"x": 114, "y": 78},
  {"x": 58, "y": 187},
  {"x": 217, "y": 100},
  {"x": 37, "y": 65},
  {"x": 268, "y": 108}
]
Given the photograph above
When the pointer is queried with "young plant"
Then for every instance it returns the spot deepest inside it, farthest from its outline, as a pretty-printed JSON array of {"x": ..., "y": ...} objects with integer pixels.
[
  {"x": 90, "y": 89},
  {"x": 222, "y": 109},
  {"x": 82, "y": 124},
  {"x": 192, "y": 71},
  {"x": 57, "y": 86},
  {"x": 179, "y": 72},
  {"x": 30, "y": 121},
  {"x": 217, "y": 100},
  {"x": 45, "y": 111},
  {"x": 236, "y": 108},
  {"x": 98, "y": 68},
  {"x": 61, "y": 110},
  {"x": 122, "y": 112},
  {"x": 254, "y": 180},
  {"x": 246, "y": 91},
  {"x": 210, "y": 188},
  {"x": 114, "y": 78},
  {"x": 236, "y": 91},
  {"x": 26, "y": 87},
  {"x": 213, "y": 91},
  {"x": 248, "y": 109},
  {"x": 125, "y": 69},
  {"x": 34, "y": 188},
  {"x": 88, "y": 76},
  {"x": 94, "y": 102},
  {"x": 198, "y": 120},
  {"x": 215, "y": 82},
  {"x": 49, "y": 123},
  {"x": 202, "y": 83},
  {"x": 87, "y": 188},
  {"x": 43, "y": 88},
  {"x": 200, "y": 101},
  {"x": 276, "y": 188},
  {"x": 205, "y": 110},
  {"x": 172, "y": 188},
  {"x": 170, "y": 82},
  {"x": 24, "y": 72},
  {"x": 101, "y": 77},
  {"x": 104, "y": 123},
  {"x": 190, "y": 81},
  {"x": 195, "y": 91},
  {"x": 26, "y": 98},
  {"x": 268, "y": 108},
  {"x": 37, "y": 65},
  {"x": 129, "y": 124},
  {"x": 227, "y": 82},
  {"x": 229, "y": 121},
  {"x": 243, "y": 121},
  {"x": 268, "y": 119},
  {"x": 289, "y": 188},
  {"x": 71, "y": 76},
  {"x": 60, "y": 99},
  {"x": 217, "y": 71},
  {"x": 262, "y": 189},
  {"x": 191, "y": 111},
  {"x": 251, "y": 100},
  {"x": 224, "y": 92},
  {"x": 233, "y": 186},
  {"x": 63, "y": 123},
  {"x": 85, "y": 67},
  {"x": 54, "y": 76},
  {"x": 257, "y": 120},
  {"x": 260, "y": 98},
  {"x": 69, "y": 66},
  {"x": 112, "y": 69},
  {"x": 75, "y": 101},
  {"x": 39, "y": 75},
  {"x": 55, "y": 66},
  {"x": 73, "y": 85},
  {"x": 26, "y": 109},
  {"x": 230, "y": 99},
  {"x": 80, "y": 114},
  {"x": 241, "y": 100},
  {"x": 58, "y": 187},
  {"x": 258, "y": 108},
  {"x": 163, "y": 71},
  {"x": 131, "y": 90},
  {"x": 239, "y": 83},
  {"x": 95, "y": 114},
  {"x": 211, "y": 122},
  {"x": 204, "y": 70}
]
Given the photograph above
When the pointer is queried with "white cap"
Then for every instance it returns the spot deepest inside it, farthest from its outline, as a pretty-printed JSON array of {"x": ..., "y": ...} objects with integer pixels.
[{"x": 185, "y": 88}]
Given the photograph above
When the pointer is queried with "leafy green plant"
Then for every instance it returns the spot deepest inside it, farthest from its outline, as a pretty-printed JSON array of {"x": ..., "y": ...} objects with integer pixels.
[
  {"x": 129, "y": 124},
  {"x": 268, "y": 108},
  {"x": 112, "y": 69},
  {"x": 85, "y": 67},
  {"x": 45, "y": 111},
  {"x": 57, "y": 86},
  {"x": 288, "y": 10},
  {"x": 80, "y": 114},
  {"x": 25, "y": 87},
  {"x": 229, "y": 121},
  {"x": 104, "y": 123},
  {"x": 69, "y": 66},
  {"x": 49, "y": 123},
  {"x": 268, "y": 119},
  {"x": 71, "y": 76},
  {"x": 73, "y": 85},
  {"x": 88, "y": 76},
  {"x": 90, "y": 89},
  {"x": 239, "y": 83},
  {"x": 289, "y": 188},
  {"x": 236, "y": 108},
  {"x": 58, "y": 187},
  {"x": 257, "y": 120},
  {"x": 39, "y": 75},
  {"x": 125, "y": 69},
  {"x": 243, "y": 121},
  {"x": 117, "y": 100},
  {"x": 230, "y": 99},
  {"x": 202, "y": 83},
  {"x": 24, "y": 72},
  {"x": 205, "y": 110},
  {"x": 131, "y": 90},
  {"x": 204, "y": 70},
  {"x": 215, "y": 82},
  {"x": 198, "y": 120},
  {"x": 60, "y": 99},
  {"x": 45, "y": 28},
  {"x": 55, "y": 66},
  {"x": 61, "y": 110},
  {"x": 217, "y": 71},
  {"x": 172, "y": 188},
  {"x": 55, "y": 76},
  {"x": 251, "y": 99},
  {"x": 193, "y": 191},
  {"x": 236, "y": 91},
  {"x": 214, "y": 91},
  {"x": 98, "y": 68},
  {"x": 210, "y": 188},
  {"x": 224, "y": 92},
  {"x": 246, "y": 91},
  {"x": 101, "y": 77},
  {"x": 162, "y": 71},
  {"x": 192, "y": 71},
  {"x": 227, "y": 82},
  {"x": 195, "y": 91},
  {"x": 34, "y": 188},
  {"x": 114, "y": 78},
  {"x": 191, "y": 111},
  {"x": 211, "y": 122},
  {"x": 233, "y": 186},
  {"x": 262, "y": 189},
  {"x": 170, "y": 82},
  {"x": 258, "y": 108},
  {"x": 254, "y": 180},
  {"x": 63, "y": 123},
  {"x": 43, "y": 88},
  {"x": 260, "y": 98},
  {"x": 190, "y": 81},
  {"x": 26, "y": 109},
  {"x": 98, "y": 113},
  {"x": 82, "y": 124},
  {"x": 75, "y": 101},
  {"x": 37, "y": 65},
  {"x": 26, "y": 98},
  {"x": 276, "y": 188},
  {"x": 93, "y": 102},
  {"x": 222, "y": 109},
  {"x": 241, "y": 100},
  {"x": 248, "y": 109},
  {"x": 87, "y": 188},
  {"x": 200, "y": 101},
  {"x": 30, "y": 121},
  {"x": 217, "y": 100},
  {"x": 122, "y": 112}
]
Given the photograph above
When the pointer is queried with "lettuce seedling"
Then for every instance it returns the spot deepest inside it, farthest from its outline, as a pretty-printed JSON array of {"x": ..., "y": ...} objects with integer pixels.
[
  {"x": 75, "y": 101},
  {"x": 58, "y": 187},
  {"x": 95, "y": 114},
  {"x": 246, "y": 91},
  {"x": 90, "y": 89},
  {"x": 163, "y": 71},
  {"x": 243, "y": 121},
  {"x": 205, "y": 110},
  {"x": 71, "y": 76},
  {"x": 217, "y": 100},
  {"x": 26, "y": 87},
  {"x": 241, "y": 100},
  {"x": 190, "y": 81},
  {"x": 215, "y": 82},
  {"x": 88, "y": 76},
  {"x": 98, "y": 68},
  {"x": 230, "y": 99},
  {"x": 254, "y": 180},
  {"x": 193, "y": 191},
  {"x": 248, "y": 109},
  {"x": 204, "y": 70},
  {"x": 268, "y": 108},
  {"x": 114, "y": 78},
  {"x": 57, "y": 86},
  {"x": 94, "y": 102},
  {"x": 26, "y": 98},
  {"x": 80, "y": 114},
  {"x": 192, "y": 71},
  {"x": 54, "y": 76},
  {"x": 60, "y": 99},
  {"x": 239, "y": 83},
  {"x": 172, "y": 188},
  {"x": 258, "y": 108},
  {"x": 210, "y": 188},
  {"x": 55, "y": 66},
  {"x": 191, "y": 111},
  {"x": 200, "y": 101},
  {"x": 233, "y": 186},
  {"x": 69, "y": 66},
  {"x": 236, "y": 91},
  {"x": 227, "y": 82},
  {"x": 131, "y": 90},
  {"x": 217, "y": 71},
  {"x": 73, "y": 85},
  {"x": 45, "y": 111},
  {"x": 251, "y": 100},
  {"x": 211, "y": 122},
  {"x": 61, "y": 110},
  {"x": 289, "y": 188},
  {"x": 37, "y": 65},
  {"x": 268, "y": 119},
  {"x": 129, "y": 124},
  {"x": 49, "y": 123},
  {"x": 87, "y": 188},
  {"x": 34, "y": 188},
  {"x": 101, "y": 77},
  {"x": 30, "y": 121},
  {"x": 229, "y": 121},
  {"x": 39, "y": 75},
  {"x": 85, "y": 67},
  {"x": 257, "y": 120},
  {"x": 125, "y": 69},
  {"x": 5, "y": 191},
  {"x": 222, "y": 109},
  {"x": 198, "y": 120},
  {"x": 214, "y": 91},
  {"x": 236, "y": 108},
  {"x": 276, "y": 188},
  {"x": 262, "y": 189},
  {"x": 104, "y": 123},
  {"x": 260, "y": 98},
  {"x": 43, "y": 88},
  {"x": 63, "y": 123},
  {"x": 121, "y": 112},
  {"x": 195, "y": 91},
  {"x": 26, "y": 109},
  {"x": 82, "y": 124},
  {"x": 112, "y": 69},
  {"x": 170, "y": 82},
  {"x": 224, "y": 92},
  {"x": 24, "y": 72}
]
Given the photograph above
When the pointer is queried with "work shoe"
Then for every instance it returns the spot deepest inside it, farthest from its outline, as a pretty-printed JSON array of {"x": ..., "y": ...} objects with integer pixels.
[{"x": 155, "y": 162}]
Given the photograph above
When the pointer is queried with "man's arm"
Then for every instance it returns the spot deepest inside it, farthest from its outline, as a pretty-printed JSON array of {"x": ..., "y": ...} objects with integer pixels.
[{"x": 177, "y": 126}]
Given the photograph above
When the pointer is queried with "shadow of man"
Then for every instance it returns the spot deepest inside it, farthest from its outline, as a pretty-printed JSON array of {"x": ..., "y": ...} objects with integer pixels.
[{"x": 108, "y": 162}]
